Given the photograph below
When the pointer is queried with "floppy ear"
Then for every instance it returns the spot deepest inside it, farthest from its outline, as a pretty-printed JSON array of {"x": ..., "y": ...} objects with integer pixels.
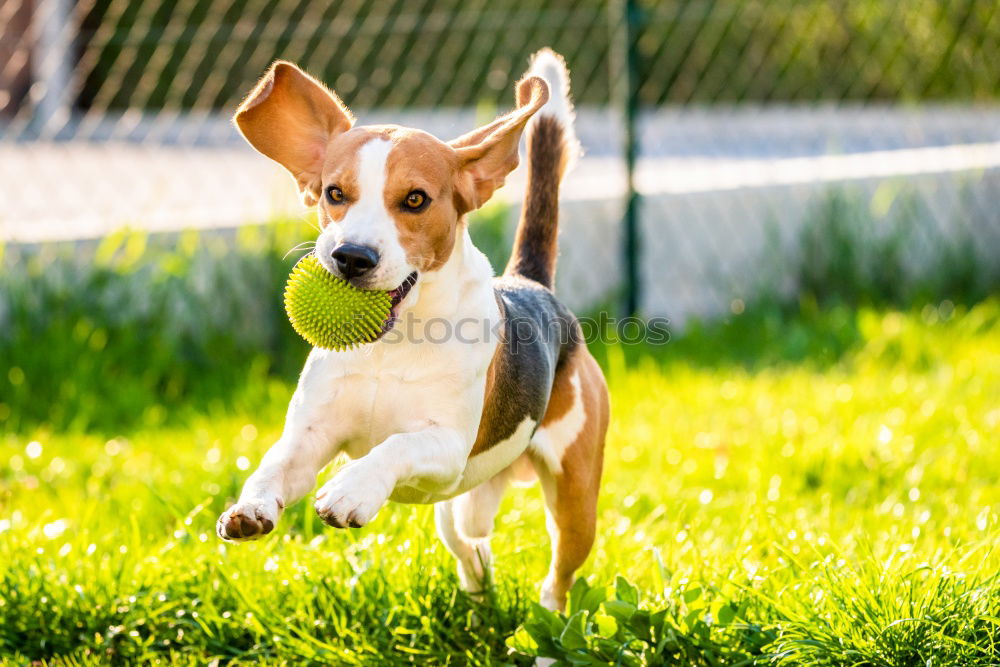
[
  {"x": 290, "y": 117},
  {"x": 488, "y": 154}
]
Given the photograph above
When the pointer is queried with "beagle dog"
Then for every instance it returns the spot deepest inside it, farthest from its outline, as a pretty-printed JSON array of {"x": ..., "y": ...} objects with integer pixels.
[{"x": 477, "y": 381}]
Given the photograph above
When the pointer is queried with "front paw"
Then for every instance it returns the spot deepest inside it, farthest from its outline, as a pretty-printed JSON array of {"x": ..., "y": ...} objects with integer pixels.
[
  {"x": 353, "y": 497},
  {"x": 249, "y": 519}
]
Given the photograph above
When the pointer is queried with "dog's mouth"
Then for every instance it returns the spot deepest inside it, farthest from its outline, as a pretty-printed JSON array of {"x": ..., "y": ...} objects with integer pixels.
[{"x": 396, "y": 297}]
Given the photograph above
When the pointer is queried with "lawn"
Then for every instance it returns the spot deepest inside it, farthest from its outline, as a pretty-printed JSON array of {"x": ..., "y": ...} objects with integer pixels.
[{"x": 821, "y": 490}]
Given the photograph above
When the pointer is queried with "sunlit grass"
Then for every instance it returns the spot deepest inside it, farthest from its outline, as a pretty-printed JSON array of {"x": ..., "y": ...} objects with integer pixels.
[{"x": 845, "y": 501}]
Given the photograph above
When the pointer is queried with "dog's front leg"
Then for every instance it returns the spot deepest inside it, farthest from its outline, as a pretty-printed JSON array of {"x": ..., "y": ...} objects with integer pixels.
[
  {"x": 286, "y": 473},
  {"x": 431, "y": 460},
  {"x": 288, "y": 470}
]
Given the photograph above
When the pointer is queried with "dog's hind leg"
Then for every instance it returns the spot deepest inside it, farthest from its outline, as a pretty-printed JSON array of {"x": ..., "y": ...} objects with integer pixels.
[
  {"x": 568, "y": 454},
  {"x": 464, "y": 524}
]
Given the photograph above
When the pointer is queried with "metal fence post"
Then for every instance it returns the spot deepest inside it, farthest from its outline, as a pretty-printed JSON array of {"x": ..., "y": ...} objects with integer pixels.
[
  {"x": 53, "y": 63},
  {"x": 624, "y": 70}
]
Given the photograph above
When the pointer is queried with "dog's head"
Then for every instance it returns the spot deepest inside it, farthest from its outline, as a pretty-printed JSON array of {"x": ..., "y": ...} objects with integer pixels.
[{"x": 390, "y": 199}]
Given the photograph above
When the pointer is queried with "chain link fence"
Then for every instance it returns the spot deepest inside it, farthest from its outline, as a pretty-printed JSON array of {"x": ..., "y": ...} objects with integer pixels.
[{"x": 759, "y": 126}]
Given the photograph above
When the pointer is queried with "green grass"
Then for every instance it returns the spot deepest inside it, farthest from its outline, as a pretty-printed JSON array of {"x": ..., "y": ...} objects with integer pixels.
[{"x": 816, "y": 491}]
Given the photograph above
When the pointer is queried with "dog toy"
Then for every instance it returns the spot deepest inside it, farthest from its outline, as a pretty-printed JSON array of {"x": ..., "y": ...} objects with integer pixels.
[{"x": 329, "y": 312}]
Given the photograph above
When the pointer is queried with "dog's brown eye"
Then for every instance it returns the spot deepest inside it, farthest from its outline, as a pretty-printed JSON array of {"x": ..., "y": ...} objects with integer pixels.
[
  {"x": 416, "y": 200},
  {"x": 335, "y": 195}
]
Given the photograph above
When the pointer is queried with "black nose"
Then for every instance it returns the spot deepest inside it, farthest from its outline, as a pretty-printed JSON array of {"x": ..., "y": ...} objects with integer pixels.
[{"x": 354, "y": 260}]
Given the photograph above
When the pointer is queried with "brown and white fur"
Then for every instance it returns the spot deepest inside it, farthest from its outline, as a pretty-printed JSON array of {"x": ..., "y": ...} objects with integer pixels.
[{"x": 435, "y": 419}]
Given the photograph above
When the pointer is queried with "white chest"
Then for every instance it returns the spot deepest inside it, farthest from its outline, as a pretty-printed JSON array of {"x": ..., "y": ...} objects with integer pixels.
[{"x": 401, "y": 387}]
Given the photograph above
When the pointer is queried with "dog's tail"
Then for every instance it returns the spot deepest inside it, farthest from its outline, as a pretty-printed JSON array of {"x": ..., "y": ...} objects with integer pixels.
[{"x": 552, "y": 150}]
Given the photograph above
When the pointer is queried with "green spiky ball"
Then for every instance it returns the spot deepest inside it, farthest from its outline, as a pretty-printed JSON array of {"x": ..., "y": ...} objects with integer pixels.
[{"x": 330, "y": 312}]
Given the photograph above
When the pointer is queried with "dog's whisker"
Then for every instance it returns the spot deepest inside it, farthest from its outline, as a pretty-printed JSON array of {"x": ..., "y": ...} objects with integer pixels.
[
  {"x": 291, "y": 250},
  {"x": 305, "y": 245}
]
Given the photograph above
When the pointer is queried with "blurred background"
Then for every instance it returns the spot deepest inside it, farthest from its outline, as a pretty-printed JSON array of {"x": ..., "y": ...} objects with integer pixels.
[
  {"x": 809, "y": 190},
  {"x": 737, "y": 154}
]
